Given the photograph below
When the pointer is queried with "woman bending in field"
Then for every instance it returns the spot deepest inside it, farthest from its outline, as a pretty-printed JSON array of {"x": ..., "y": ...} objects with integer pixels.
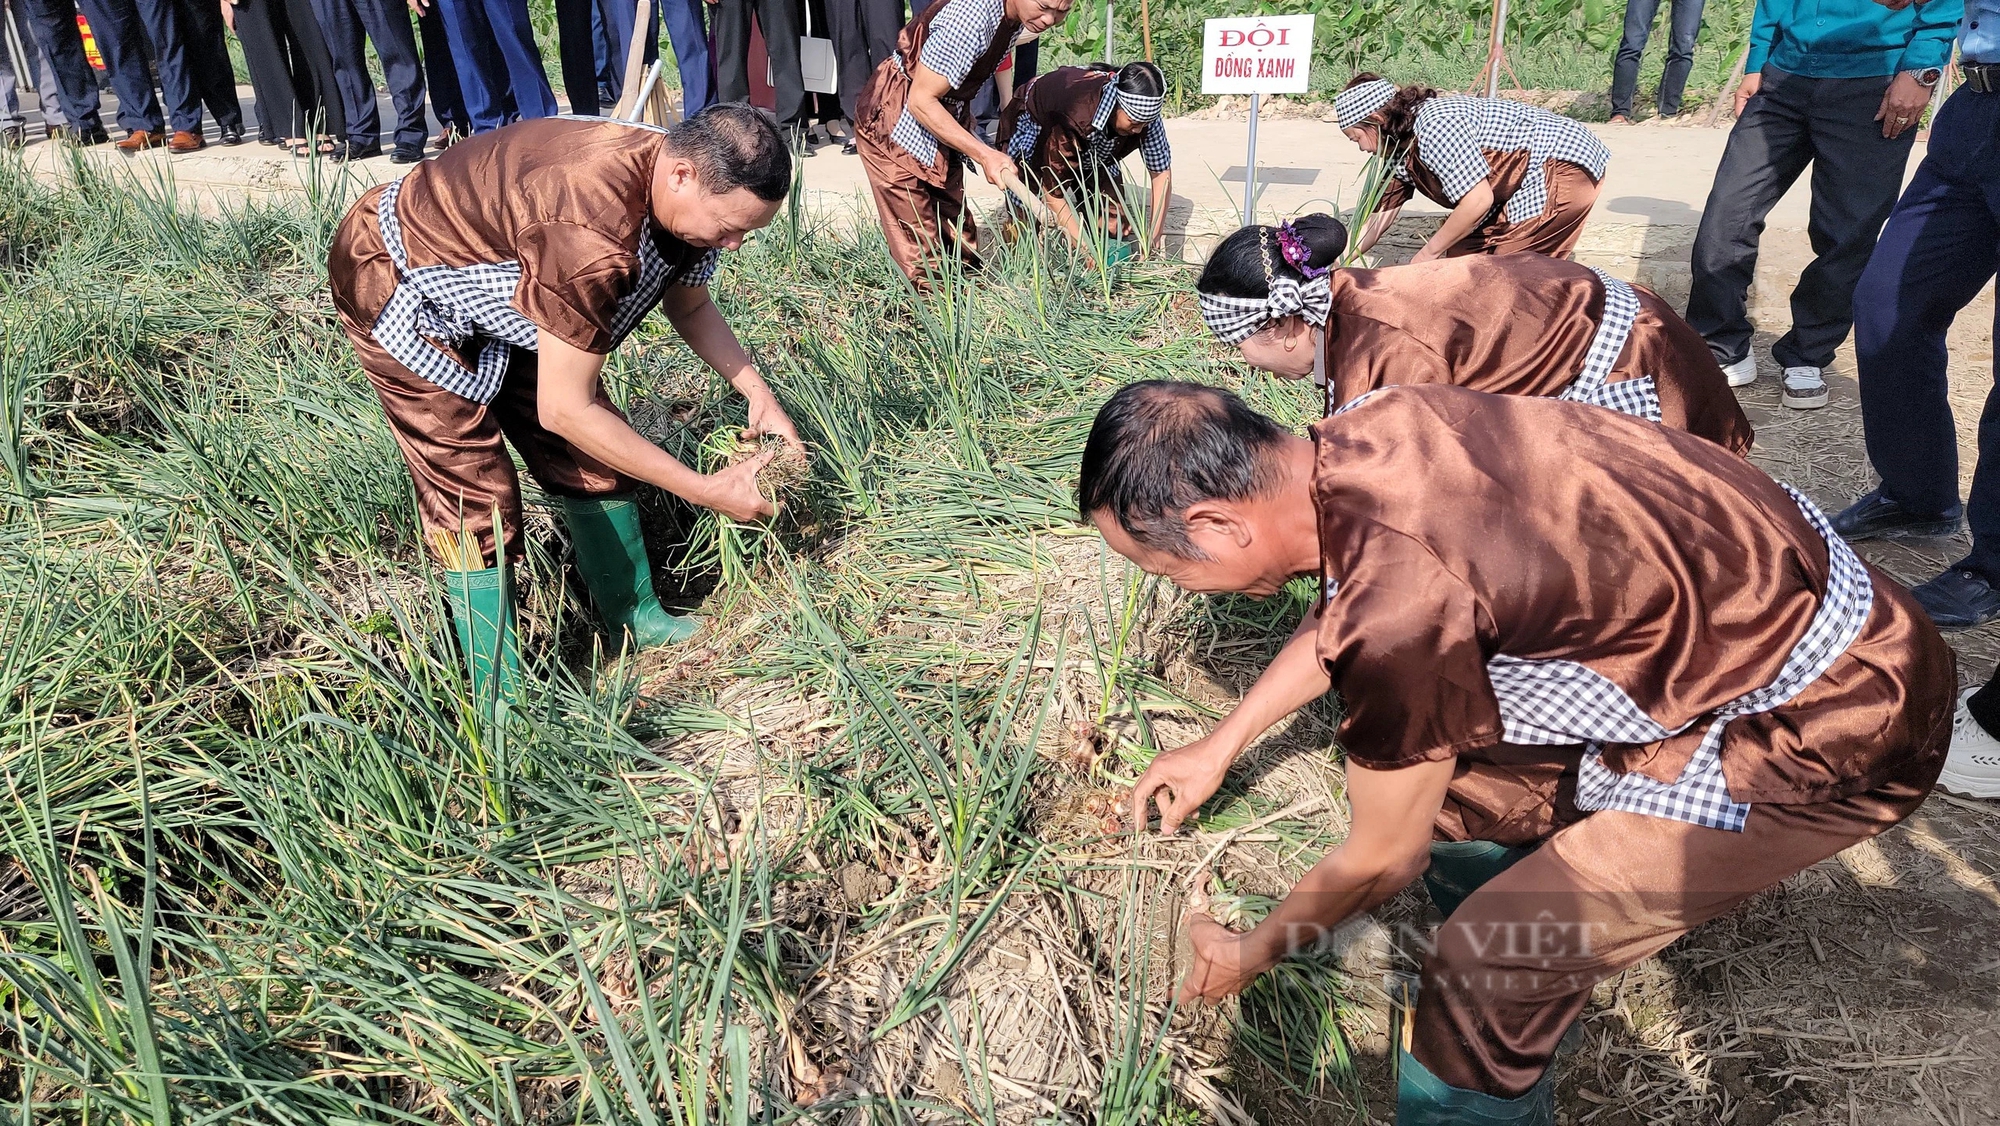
[
  {"x": 1515, "y": 177},
  {"x": 1518, "y": 324}
]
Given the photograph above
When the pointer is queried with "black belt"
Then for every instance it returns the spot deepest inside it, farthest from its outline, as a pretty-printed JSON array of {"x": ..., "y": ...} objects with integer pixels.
[{"x": 1982, "y": 78}]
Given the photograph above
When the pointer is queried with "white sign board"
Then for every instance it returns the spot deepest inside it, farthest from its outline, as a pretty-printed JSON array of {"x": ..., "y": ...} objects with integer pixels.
[{"x": 1256, "y": 54}]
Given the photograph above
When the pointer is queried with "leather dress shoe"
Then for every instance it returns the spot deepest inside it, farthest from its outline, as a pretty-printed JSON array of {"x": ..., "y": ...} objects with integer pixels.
[
  {"x": 850, "y": 148},
  {"x": 185, "y": 142},
  {"x": 83, "y": 138},
  {"x": 1959, "y": 599},
  {"x": 139, "y": 140},
  {"x": 351, "y": 151},
  {"x": 232, "y": 136},
  {"x": 1875, "y": 516},
  {"x": 406, "y": 154}
]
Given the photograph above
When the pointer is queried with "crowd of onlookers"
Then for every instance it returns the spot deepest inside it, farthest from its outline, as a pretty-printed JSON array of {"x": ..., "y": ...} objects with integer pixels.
[{"x": 468, "y": 65}]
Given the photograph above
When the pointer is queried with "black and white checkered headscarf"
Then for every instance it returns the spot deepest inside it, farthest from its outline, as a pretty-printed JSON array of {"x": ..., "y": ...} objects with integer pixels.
[
  {"x": 1143, "y": 109},
  {"x": 1236, "y": 319},
  {"x": 1356, "y": 104}
]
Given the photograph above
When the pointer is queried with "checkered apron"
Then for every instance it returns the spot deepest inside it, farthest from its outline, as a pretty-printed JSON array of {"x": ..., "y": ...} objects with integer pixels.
[
  {"x": 1554, "y": 702},
  {"x": 1637, "y": 397},
  {"x": 451, "y": 305}
]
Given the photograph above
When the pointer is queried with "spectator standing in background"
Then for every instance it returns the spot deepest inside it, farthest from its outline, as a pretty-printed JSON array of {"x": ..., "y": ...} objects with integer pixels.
[
  {"x": 689, "y": 36},
  {"x": 55, "y": 35},
  {"x": 441, "y": 75},
  {"x": 121, "y": 43},
  {"x": 192, "y": 61},
  {"x": 864, "y": 34},
  {"x": 291, "y": 71},
  {"x": 576, "y": 24},
  {"x": 1838, "y": 84},
  {"x": 1683, "y": 27},
  {"x": 499, "y": 66},
  {"x": 779, "y": 21},
  {"x": 1938, "y": 251},
  {"x": 13, "y": 124},
  {"x": 387, "y": 26}
]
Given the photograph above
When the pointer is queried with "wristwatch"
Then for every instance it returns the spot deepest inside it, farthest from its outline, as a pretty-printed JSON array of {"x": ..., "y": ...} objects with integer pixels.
[{"x": 1928, "y": 76}]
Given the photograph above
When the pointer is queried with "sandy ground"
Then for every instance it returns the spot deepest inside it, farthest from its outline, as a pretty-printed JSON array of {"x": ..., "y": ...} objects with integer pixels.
[{"x": 1865, "y": 990}]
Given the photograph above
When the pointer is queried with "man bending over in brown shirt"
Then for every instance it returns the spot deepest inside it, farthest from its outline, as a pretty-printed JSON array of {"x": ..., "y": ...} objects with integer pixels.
[
  {"x": 482, "y": 293},
  {"x": 1603, "y": 681}
]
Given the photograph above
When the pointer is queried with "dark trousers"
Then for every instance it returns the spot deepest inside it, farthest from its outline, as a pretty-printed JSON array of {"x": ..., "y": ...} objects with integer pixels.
[
  {"x": 1685, "y": 25},
  {"x": 386, "y": 24},
  {"x": 499, "y": 67},
  {"x": 779, "y": 20},
  {"x": 1938, "y": 251},
  {"x": 192, "y": 62},
  {"x": 441, "y": 74},
  {"x": 575, "y": 32},
  {"x": 863, "y": 34},
  {"x": 689, "y": 36},
  {"x": 121, "y": 41},
  {"x": 297, "y": 93},
  {"x": 54, "y": 24},
  {"x": 1794, "y": 121}
]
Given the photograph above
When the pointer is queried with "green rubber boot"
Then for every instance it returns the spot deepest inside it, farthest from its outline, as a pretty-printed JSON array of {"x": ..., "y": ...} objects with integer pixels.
[
  {"x": 484, "y": 617},
  {"x": 1459, "y": 868},
  {"x": 1422, "y": 1099},
  {"x": 611, "y": 556}
]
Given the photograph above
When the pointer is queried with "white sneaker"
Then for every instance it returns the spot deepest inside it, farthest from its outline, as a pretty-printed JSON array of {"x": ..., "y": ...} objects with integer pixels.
[
  {"x": 1742, "y": 373},
  {"x": 1972, "y": 766},
  {"x": 1805, "y": 389}
]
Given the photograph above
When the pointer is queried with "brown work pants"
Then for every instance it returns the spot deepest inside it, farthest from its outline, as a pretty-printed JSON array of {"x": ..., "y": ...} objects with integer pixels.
[
  {"x": 1516, "y": 962},
  {"x": 454, "y": 447},
  {"x": 922, "y": 221},
  {"x": 1571, "y": 193}
]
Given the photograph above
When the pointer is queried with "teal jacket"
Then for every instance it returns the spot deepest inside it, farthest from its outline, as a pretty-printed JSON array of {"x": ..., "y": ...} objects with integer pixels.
[{"x": 1851, "y": 38}]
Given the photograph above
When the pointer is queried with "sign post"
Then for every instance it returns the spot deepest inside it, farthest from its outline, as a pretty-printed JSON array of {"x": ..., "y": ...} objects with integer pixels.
[{"x": 1255, "y": 55}]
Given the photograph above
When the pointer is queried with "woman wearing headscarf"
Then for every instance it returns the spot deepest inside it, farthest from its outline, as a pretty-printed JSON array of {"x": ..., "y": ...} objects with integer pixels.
[
  {"x": 1069, "y": 129},
  {"x": 1517, "y": 324},
  {"x": 1515, "y": 177}
]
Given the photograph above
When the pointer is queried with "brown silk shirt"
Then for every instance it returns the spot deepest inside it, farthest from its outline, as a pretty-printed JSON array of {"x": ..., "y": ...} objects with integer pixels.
[
  {"x": 568, "y": 199},
  {"x": 1455, "y": 526},
  {"x": 1516, "y": 324}
]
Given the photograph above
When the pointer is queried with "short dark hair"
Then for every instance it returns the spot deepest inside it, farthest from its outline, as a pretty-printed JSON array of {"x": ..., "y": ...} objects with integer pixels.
[
  {"x": 1143, "y": 79},
  {"x": 1159, "y": 446},
  {"x": 731, "y": 146},
  {"x": 1236, "y": 267}
]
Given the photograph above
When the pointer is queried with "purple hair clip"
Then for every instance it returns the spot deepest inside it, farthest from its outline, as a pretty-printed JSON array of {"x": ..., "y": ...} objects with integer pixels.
[{"x": 1297, "y": 254}]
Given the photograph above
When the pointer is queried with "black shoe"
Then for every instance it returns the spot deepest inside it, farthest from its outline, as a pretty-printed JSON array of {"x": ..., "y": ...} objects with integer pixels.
[
  {"x": 407, "y": 154},
  {"x": 232, "y": 135},
  {"x": 355, "y": 152},
  {"x": 1959, "y": 599},
  {"x": 84, "y": 138},
  {"x": 1875, "y": 516},
  {"x": 14, "y": 138},
  {"x": 850, "y": 148}
]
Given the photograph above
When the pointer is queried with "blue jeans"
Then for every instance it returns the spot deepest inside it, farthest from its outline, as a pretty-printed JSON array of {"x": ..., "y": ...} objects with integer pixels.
[
  {"x": 499, "y": 67},
  {"x": 1685, "y": 26},
  {"x": 1938, "y": 250}
]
